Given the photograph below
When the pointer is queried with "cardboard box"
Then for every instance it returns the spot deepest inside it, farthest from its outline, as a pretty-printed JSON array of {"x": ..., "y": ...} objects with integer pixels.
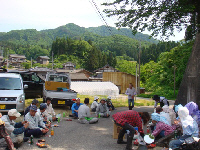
[{"x": 116, "y": 130}]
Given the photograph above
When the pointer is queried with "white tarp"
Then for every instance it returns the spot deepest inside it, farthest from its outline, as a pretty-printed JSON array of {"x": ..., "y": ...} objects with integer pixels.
[{"x": 95, "y": 88}]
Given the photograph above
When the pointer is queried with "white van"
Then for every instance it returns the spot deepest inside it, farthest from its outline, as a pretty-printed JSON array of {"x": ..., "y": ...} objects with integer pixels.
[{"x": 11, "y": 92}]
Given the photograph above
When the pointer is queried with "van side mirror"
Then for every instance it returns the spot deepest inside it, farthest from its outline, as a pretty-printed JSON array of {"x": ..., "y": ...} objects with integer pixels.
[{"x": 25, "y": 86}]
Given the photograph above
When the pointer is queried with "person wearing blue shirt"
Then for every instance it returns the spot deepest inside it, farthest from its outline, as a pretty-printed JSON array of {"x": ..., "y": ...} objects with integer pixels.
[
  {"x": 189, "y": 126},
  {"x": 75, "y": 108}
]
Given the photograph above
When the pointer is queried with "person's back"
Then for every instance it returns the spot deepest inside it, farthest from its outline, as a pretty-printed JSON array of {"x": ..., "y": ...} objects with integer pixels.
[
  {"x": 166, "y": 115},
  {"x": 83, "y": 111}
]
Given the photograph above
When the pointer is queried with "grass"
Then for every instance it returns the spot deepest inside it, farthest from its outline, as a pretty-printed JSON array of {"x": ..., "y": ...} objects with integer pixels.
[{"x": 119, "y": 102}]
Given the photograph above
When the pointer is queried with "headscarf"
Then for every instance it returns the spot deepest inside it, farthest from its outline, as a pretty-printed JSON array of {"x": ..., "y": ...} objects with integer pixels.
[
  {"x": 177, "y": 107},
  {"x": 186, "y": 119},
  {"x": 165, "y": 109},
  {"x": 158, "y": 117},
  {"x": 192, "y": 107},
  {"x": 193, "y": 110}
]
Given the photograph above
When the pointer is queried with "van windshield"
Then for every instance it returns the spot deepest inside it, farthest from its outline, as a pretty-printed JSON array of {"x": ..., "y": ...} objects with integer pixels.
[{"x": 10, "y": 83}]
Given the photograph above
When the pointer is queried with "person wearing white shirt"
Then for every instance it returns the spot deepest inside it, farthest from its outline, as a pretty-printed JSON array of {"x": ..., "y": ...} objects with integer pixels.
[
  {"x": 160, "y": 99},
  {"x": 36, "y": 125},
  {"x": 130, "y": 92},
  {"x": 84, "y": 113},
  {"x": 50, "y": 111},
  {"x": 94, "y": 104}
]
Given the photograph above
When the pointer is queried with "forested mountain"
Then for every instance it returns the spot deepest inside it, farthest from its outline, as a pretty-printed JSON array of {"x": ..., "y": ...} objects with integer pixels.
[{"x": 107, "y": 31}]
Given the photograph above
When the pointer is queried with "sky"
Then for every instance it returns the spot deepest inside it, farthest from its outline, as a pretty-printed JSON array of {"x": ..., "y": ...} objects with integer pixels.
[{"x": 50, "y": 14}]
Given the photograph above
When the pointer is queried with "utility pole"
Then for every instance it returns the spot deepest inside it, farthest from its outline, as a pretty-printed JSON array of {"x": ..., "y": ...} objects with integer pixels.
[
  {"x": 31, "y": 62},
  {"x": 52, "y": 60},
  {"x": 136, "y": 81},
  {"x": 7, "y": 57},
  {"x": 174, "y": 80},
  {"x": 139, "y": 70}
]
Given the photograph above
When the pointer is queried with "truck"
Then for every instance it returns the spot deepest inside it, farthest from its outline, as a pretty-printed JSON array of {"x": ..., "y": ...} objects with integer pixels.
[
  {"x": 57, "y": 88},
  {"x": 12, "y": 92}
]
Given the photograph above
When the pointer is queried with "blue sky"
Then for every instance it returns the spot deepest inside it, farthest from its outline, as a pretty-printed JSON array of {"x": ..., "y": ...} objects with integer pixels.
[{"x": 50, "y": 14}]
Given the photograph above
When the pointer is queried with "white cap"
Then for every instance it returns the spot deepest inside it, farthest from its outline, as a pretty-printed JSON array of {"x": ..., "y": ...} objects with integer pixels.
[
  {"x": 109, "y": 97},
  {"x": 14, "y": 112},
  {"x": 96, "y": 97},
  {"x": 77, "y": 98}
]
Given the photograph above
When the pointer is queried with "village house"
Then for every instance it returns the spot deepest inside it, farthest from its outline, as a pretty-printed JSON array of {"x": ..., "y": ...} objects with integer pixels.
[
  {"x": 15, "y": 60},
  {"x": 69, "y": 66},
  {"x": 1, "y": 61},
  {"x": 44, "y": 60}
]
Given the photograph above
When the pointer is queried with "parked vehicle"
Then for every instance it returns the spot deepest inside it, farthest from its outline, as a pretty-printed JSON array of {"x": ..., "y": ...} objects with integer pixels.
[
  {"x": 57, "y": 87},
  {"x": 12, "y": 92},
  {"x": 34, "y": 82}
]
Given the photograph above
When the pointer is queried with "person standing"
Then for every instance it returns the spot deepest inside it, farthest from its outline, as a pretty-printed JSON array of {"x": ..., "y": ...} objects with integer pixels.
[{"x": 130, "y": 92}]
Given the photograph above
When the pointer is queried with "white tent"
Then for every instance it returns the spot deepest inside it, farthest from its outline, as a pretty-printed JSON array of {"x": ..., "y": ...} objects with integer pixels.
[{"x": 95, "y": 88}]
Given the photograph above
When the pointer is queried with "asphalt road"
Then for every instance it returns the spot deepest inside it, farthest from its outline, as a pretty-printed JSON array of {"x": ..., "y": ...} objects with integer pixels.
[{"x": 70, "y": 135}]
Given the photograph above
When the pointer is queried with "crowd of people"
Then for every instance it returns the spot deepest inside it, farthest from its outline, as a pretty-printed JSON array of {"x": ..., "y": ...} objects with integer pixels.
[
  {"x": 164, "y": 120},
  {"x": 38, "y": 118}
]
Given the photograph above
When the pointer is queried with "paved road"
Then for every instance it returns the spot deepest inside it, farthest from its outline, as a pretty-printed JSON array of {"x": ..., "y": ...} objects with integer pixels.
[{"x": 74, "y": 136}]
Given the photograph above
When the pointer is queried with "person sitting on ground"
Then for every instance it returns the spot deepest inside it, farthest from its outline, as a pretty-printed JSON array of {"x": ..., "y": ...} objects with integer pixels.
[
  {"x": 128, "y": 120},
  {"x": 75, "y": 108},
  {"x": 84, "y": 113},
  {"x": 94, "y": 104},
  {"x": 43, "y": 115},
  {"x": 171, "y": 113},
  {"x": 15, "y": 130},
  {"x": 159, "y": 110},
  {"x": 109, "y": 103},
  {"x": 160, "y": 99},
  {"x": 189, "y": 126},
  {"x": 193, "y": 111},
  {"x": 51, "y": 115},
  {"x": 5, "y": 135},
  {"x": 34, "y": 102},
  {"x": 162, "y": 127},
  {"x": 36, "y": 125},
  {"x": 102, "y": 109}
]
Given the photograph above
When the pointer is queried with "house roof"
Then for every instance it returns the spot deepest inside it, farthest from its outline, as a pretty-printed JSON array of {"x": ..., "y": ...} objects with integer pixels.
[
  {"x": 78, "y": 76},
  {"x": 105, "y": 68},
  {"x": 72, "y": 71},
  {"x": 17, "y": 56},
  {"x": 44, "y": 57}
]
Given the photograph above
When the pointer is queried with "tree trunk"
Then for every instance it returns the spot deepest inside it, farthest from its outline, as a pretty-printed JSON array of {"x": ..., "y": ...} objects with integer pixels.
[{"x": 190, "y": 86}]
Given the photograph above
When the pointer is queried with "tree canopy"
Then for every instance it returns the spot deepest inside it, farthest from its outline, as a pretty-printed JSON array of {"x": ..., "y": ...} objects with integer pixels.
[{"x": 159, "y": 16}]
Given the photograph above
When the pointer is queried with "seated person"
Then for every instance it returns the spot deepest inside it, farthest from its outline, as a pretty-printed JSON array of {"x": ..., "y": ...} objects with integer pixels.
[
  {"x": 160, "y": 99},
  {"x": 51, "y": 115},
  {"x": 102, "y": 109},
  {"x": 193, "y": 111},
  {"x": 94, "y": 104},
  {"x": 189, "y": 126},
  {"x": 34, "y": 102},
  {"x": 159, "y": 110},
  {"x": 75, "y": 108},
  {"x": 5, "y": 135},
  {"x": 84, "y": 113},
  {"x": 15, "y": 130},
  {"x": 162, "y": 127},
  {"x": 109, "y": 103},
  {"x": 171, "y": 113},
  {"x": 42, "y": 113},
  {"x": 128, "y": 120},
  {"x": 36, "y": 125}
]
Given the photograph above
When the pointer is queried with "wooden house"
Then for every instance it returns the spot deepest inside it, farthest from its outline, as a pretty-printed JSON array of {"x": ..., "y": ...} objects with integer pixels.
[{"x": 43, "y": 60}]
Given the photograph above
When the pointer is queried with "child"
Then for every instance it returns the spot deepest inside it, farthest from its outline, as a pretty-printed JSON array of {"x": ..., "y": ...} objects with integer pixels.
[
  {"x": 189, "y": 126},
  {"x": 5, "y": 135}
]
